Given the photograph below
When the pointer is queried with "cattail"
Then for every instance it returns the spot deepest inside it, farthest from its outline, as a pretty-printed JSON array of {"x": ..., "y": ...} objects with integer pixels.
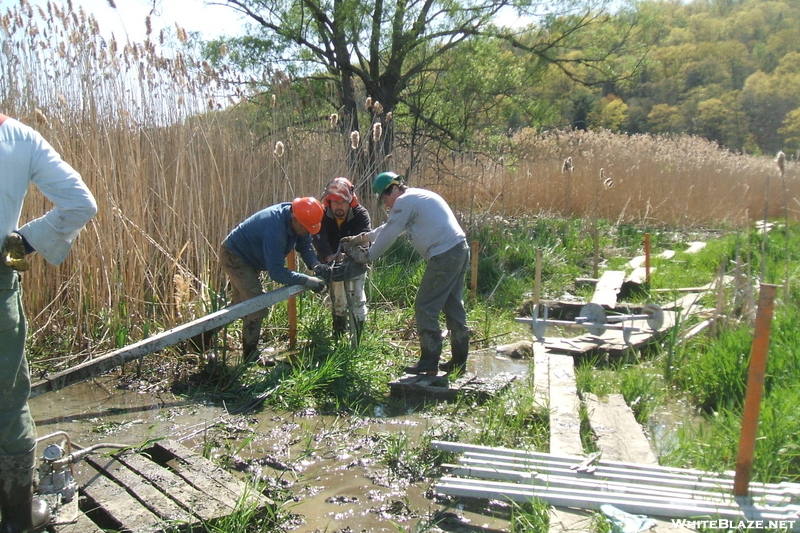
[
  {"x": 377, "y": 108},
  {"x": 377, "y": 130},
  {"x": 274, "y": 100},
  {"x": 355, "y": 139},
  {"x": 278, "y": 149},
  {"x": 111, "y": 4},
  {"x": 148, "y": 28},
  {"x": 334, "y": 120},
  {"x": 182, "y": 36},
  {"x": 781, "y": 161},
  {"x": 40, "y": 118},
  {"x": 223, "y": 50},
  {"x": 567, "y": 166},
  {"x": 389, "y": 116},
  {"x": 368, "y": 103}
]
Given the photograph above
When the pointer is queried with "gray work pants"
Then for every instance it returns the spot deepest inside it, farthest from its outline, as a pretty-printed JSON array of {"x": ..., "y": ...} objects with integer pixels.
[{"x": 441, "y": 290}]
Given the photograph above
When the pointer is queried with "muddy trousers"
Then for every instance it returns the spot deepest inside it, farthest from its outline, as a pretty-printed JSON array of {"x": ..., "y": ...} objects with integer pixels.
[
  {"x": 245, "y": 284},
  {"x": 341, "y": 292},
  {"x": 441, "y": 291},
  {"x": 17, "y": 429},
  {"x": 20, "y": 511}
]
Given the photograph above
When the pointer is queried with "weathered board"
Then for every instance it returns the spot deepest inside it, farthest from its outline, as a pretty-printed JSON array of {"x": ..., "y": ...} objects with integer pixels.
[
  {"x": 612, "y": 341},
  {"x": 440, "y": 387},
  {"x": 166, "y": 487},
  {"x": 608, "y": 287}
]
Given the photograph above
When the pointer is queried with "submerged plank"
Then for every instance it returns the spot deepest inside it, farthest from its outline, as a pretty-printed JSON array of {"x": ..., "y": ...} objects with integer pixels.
[
  {"x": 206, "y": 475},
  {"x": 114, "y": 502},
  {"x": 143, "y": 491},
  {"x": 206, "y": 506}
]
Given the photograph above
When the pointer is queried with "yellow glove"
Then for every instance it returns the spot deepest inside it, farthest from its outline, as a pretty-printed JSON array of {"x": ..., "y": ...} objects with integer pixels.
[{"x": 13, "y": 252}]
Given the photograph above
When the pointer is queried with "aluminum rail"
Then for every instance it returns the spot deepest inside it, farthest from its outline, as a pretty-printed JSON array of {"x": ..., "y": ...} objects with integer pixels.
[
  {"x": 631, "y": 503},
  {"x": 104, "y": 363},
  {"x": 519, "y": 475}
]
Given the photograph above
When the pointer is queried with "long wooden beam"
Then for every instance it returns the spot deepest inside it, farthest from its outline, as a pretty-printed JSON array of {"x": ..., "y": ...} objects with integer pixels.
[{"x": 104, "y": 363}]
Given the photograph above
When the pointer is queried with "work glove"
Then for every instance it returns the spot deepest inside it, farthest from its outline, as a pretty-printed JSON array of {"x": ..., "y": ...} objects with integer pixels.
[
  {"x": 315, "y": 284},
  {"x": 351, "y": 243},
  {"x": 359, "y": 255},
  {"x": 13, "y": 252},
  {"x": 323, "y": 271}
]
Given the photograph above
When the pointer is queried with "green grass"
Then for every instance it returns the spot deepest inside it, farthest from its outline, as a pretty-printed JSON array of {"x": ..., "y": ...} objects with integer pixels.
[{"x": 709, "y": 372}]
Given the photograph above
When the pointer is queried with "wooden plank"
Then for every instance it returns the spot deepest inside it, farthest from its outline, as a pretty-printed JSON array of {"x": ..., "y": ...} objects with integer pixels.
[
  {"x": 83, "y": 524},
  {"x": 638, "y": 276},
  {"x": 200, "y": 472},
  {"x": 608, "y": 286},
  {"x": 541, "y": 378},
  {"x": 115, "y": 502},
  {"x": 695, "y": 247},
  {"x": 565, "y": 421},
  {"x": 206, "y": 506},
  {"x": 619, "y": 435},
  {"x": 143, "y": 490},
  {"x": 104, "y": 363},
  {"x": 438, "y": 387}
]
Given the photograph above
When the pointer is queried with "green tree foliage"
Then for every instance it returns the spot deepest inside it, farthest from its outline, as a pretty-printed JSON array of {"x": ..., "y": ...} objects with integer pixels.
[
  {"x": 727, "y": 71},
  {"x": 391, "y": 50}
]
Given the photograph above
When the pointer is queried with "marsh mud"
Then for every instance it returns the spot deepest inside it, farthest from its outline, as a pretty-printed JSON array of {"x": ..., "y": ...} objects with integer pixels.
[{"x": 331, "y": 473}]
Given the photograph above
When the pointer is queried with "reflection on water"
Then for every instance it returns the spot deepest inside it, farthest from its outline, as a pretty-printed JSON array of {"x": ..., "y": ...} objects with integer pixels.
[{"x": 327, "y": 462}]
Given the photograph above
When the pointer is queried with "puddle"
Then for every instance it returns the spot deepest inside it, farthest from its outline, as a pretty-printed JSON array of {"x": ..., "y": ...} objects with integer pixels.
[{"x": 327, "y": 465}]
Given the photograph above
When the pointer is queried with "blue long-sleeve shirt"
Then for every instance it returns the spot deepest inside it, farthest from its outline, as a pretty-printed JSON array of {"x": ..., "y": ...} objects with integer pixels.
[{"x": 265, "y": 239}]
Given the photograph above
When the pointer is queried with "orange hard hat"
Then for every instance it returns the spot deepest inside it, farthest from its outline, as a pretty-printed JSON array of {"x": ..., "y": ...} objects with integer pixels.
[
  {"x": 308, "y": 212},
  {"x": 340, "y": 189}
]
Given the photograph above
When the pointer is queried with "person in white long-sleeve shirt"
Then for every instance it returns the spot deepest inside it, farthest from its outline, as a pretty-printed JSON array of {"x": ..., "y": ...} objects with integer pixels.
[
  {"x": 436, "y": 234},
  {"x": 25, "y": 159}
]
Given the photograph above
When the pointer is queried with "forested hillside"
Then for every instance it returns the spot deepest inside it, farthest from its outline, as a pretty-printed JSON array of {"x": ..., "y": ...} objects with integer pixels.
[{"x": 724, "y": 70}]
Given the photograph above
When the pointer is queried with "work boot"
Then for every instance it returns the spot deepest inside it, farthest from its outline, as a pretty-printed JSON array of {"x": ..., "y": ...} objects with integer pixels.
[
  {"x": 21, "y": 512},
  {"x": 430, "y": 348},
  {"x": 459, "y": 346},
  {"x": 340, "y": 326},
  {"x": 359, "y": 327}
]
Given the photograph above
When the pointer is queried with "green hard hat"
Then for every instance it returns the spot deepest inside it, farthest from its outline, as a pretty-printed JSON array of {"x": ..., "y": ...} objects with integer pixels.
[{"x": 383, "y": 180}]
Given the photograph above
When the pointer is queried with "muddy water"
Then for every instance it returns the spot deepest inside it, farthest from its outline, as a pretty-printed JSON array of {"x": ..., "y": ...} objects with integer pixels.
[{"x": 326, "y": 466}]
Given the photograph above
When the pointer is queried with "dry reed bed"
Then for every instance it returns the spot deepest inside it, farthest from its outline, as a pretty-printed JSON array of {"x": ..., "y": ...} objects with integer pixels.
[{"x": 172, "y": 178}]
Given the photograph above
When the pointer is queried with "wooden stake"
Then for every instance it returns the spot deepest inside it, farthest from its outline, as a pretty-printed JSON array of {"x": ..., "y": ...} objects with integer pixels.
[
  {"x": 755, "y": 387},
  {"x": 291, "y": 304},
  {"x": 473, "y": 293},
  {"x": 537, "y": 280}
]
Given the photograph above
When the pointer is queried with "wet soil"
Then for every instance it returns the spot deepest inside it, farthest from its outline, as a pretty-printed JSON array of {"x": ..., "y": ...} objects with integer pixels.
[{"x": 327, "y": 469}]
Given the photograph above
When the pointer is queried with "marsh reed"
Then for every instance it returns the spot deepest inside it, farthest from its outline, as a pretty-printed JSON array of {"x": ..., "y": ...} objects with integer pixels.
[{"x": 175, "y": 157}]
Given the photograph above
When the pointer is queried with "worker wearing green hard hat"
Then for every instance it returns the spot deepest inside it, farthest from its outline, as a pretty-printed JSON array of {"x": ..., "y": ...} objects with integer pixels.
[{"x": 436, "y": 234}]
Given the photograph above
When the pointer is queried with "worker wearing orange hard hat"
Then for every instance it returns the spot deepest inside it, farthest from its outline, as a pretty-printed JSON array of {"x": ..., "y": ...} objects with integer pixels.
[
  {"x": 260, "y": 244},
  {"x": 344, "y": 217}
]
